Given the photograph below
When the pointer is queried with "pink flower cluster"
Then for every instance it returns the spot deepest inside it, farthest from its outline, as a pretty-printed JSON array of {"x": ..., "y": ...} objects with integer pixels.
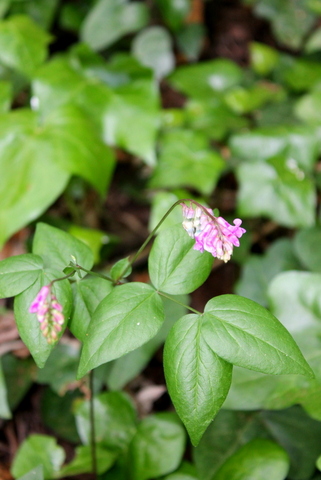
[
  {"x": 49, "y": 313},
  {"x": 213, "y": 234}
]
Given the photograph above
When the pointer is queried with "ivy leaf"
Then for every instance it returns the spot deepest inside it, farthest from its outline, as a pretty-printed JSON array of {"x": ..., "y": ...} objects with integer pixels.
[
  {"x": 126, "y": 319},
  {"x": 174, "y": 266},
  {"x": 246, "y": 334},
  {"x": 198, "y": 380},
  {"x": 28, "y": 324},
  {"x": 18, "y": 273}
]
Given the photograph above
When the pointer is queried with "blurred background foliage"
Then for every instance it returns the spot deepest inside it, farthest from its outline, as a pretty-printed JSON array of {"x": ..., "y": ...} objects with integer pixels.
[{"x": 111, "y": 110}]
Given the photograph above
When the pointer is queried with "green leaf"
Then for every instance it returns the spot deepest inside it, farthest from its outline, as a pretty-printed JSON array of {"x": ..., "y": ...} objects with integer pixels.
[
  {"x": 300, "y": 74},
  {"x": 246, "y": 334},
  {"x": 41, "y": 12},
  {"x": 299, "y": 143},
  {"x": 205, "y": 80},
  {"x": 174, "y": 12},
  {"x": 127, "y": 367},
  {"x": 259, "y": 459},
  {"x": 161, "y": 202},
  {"x": 295, "y": 299},
  {"x": 313, "y": 44},
  {"x": 28, "y": 324},
  {"x": 126, "y": 319},
  {"x": 115, "y": 420},
  {"x": 245, "y": 100},
  {"x": 174, "y": 267},
  {"x": 121, "y": 269},
  {"x": 263, "y": 58},
  {"x": 56, "y": 412},
  {"x": 190, "y": 40},
  {"x": 278, "y": 189},
  {"x": 80, "y": 150},
  {"x": 306, "y": 245},
  {"x": 31, "y": 181},
  {"x": 4, "y": 406},
  {"x": 38, "y": 450},
  {"x": 34, "y": 474},
  {"x": 290, "y": 21},
  {"x": 224, "y": 436},
  {"x": 196, "y": 165},
  {"x": 110, "y": 20},
  {"x": 88, "y": 293},
  {"x": 61, "y": 368},
  {"x": 23, "y": 45},
  {"x": 23, "y": 371},
  {"x": 153, "y": 48},
  {"x": 6, "y": 95},
  {"x": 259, "y": 270},
  {"x": 157, "y": 448},
  {"x": 82, "y": 462},
  {"x": 95, "y": 239},
  {"x": 56, "y": 248},
  {"x": 18, "y": 273},
  {"x": 197, "y": 379}
]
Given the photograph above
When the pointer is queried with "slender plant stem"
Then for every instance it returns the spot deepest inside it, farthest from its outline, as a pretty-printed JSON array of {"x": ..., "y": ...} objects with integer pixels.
[
  {"x": 92, "y": 425},
  {"x": 101, "y": 275},
  {"x": 62, "y": 278},
  {"x": 179, "y": 303}
]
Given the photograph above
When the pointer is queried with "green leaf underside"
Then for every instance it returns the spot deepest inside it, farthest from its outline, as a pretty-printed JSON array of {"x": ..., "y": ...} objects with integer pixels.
[
  {"x": 18, "y": 273},
  {"x": 127, "y": 318},
  {"x": 174, "y": 266},
  {"x": 198, "y": 380},
  {"x": 246, "y": 334},
  {"x": 56, "y": 247},
  {"x": 28, "y": 324}
]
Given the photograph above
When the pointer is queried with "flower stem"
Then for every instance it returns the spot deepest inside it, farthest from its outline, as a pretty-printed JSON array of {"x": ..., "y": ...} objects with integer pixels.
[
  {"x": 179, "y": 303},
  {"x": 92, "y": 424},
  {"x": 101, "y": 275}
]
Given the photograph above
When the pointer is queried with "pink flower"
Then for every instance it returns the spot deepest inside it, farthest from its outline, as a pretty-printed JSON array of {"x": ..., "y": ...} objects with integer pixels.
[
  {"x": 49, "y": 313},
  {"x": 213, "y": 234}
]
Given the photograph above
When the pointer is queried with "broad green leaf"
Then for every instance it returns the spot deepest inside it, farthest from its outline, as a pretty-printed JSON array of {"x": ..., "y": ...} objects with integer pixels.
[
  {"x": 174, "y": 12},
  {"x": 307, "y": 108},
  {"x": 259, "y": 459},
  {"x": 88, "y": 293},
  {"x": 127, "y": 367},
  {"x": 61, "y": 368},
  {"x": 246, "y": 334},
  {"x": 174, "y": 267},
  {"x": 38, "y": 450},
  {"x": 259, "y": 270},
  {"x": 300, "y": 74},
  {"x": 126, "y": 319},
  {"x": 306, "y": 244},
  {"x": 6, "y": 94},
  {"x": 77, "y": 147},
  {"x": 23, "y": 371},
  {"x": 110, "y": 20},
  {"x": 263, "y": 58},
  {"x": 225, "y": 435},
  {"x": 82, "y": 462},
  {"x": 153, "y": 48},
  {"x": 18, "y": 273},
  {"x": 157, "y": 448},
  {"x": 56, "y": 413},
  {"x": 31, "y": 179},
  {"x": 290, "y": 21},
  {"x": 120, "y": 269},
  {"x": 196, "y": 165},
  {"x": 299, "y": 435},
  {"x": 41, "y": 12},
  {"x": 313, "y": 43},
  {"x": 28, "y": 324},
  {"x": 190, "y": 40},
  {"x": 207, "y": 79},
  {"x": 4, "y": 406},
  {"x": 318, "y": 464},
  {"x": 278, "y": 189},
  {"x": 161, "y": 202},
  {"x": 213, "y": 118},
  {"x": 245, "y": 100},
  {"x": 95, "y": 239},
  {"x": 115, "y": 420},
  {"x": 299, "y": 143},
  {"x": 34, "y": 474},
  {"x": 56, "y": 248},
  {"x": 295, "y": 299},
  {"x": 23, "y": 44},
  {"x": 197, "y": 379}
]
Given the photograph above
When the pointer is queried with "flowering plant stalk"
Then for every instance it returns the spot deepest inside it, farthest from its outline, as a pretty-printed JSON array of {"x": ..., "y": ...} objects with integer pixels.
[{"x": 116, "y": 316}]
